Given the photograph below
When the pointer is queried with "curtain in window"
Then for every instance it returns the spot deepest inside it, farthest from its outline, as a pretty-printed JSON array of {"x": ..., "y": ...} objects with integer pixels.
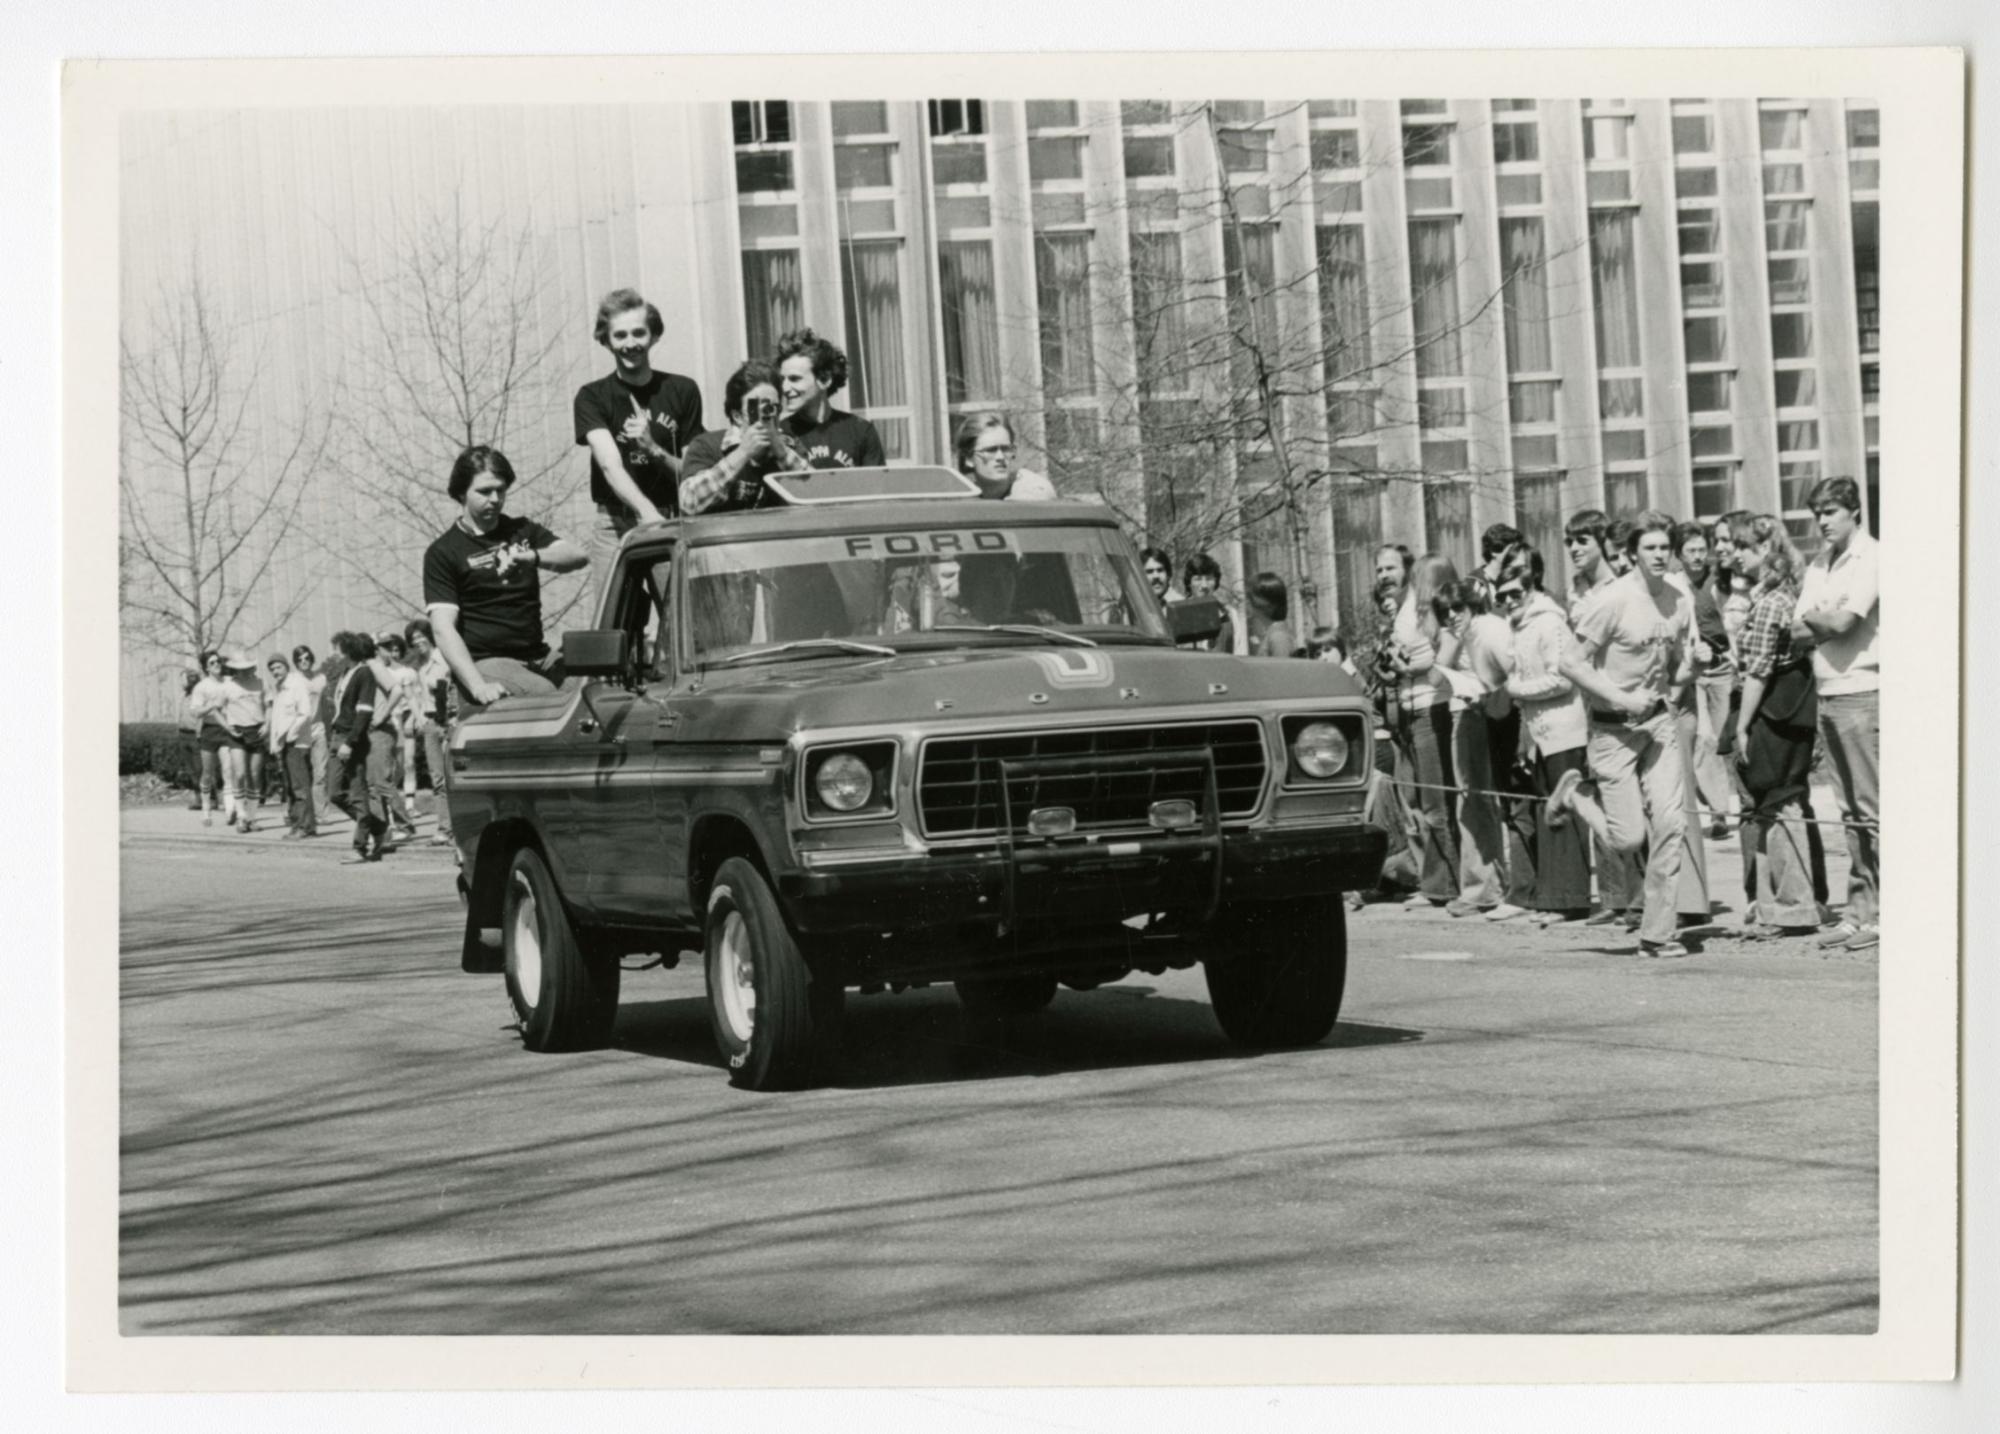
[
  {"x": 1614, "y": 286},
  {"x": 1526, "y": 298},
  {"x": 1538, "y": 514},
  {"x": 1448, "y": 521},
  {"x": 1434, "y": 292},
  {"x": 771, "y": 303},
  {"x": 971, "y": 322},
  {"x": 1062, "y": 295},
  {"x": 1786, "y": 225},
  {"x": 1343, "y": 300},
  {"x": 1158, "y": 308},
  {"x": 1357, "y": 533},
  {"x": 874, "y": 325}
]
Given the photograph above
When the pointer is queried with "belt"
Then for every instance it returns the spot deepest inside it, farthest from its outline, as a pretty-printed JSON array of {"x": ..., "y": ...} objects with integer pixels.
[{"x": 1625, "y": 719}]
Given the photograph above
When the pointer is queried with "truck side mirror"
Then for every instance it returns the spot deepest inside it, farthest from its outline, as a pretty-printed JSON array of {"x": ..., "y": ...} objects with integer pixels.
[
  {"x": 1195, "y": 620},
  {"x": 597, "y": 652}
]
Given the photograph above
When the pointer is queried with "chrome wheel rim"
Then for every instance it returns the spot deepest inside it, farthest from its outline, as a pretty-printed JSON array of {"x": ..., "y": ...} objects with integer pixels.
[
  {"x": 525, "y": 945},
  {"x": 735, "y": 978}
]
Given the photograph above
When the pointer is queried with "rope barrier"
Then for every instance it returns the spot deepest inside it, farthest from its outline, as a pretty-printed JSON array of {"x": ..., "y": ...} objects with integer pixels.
[{"x": 1713, "y": 816}]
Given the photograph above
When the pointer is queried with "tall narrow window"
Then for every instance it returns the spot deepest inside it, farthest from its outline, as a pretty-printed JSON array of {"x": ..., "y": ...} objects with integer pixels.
[
  {"x": 971, "y": 321},
  {"x": 1343, "y": 300},
  {"x": 1614, "y": 287},
  {"x": 1062, "y": 294},
  {"x": 1434, "y": 293},
  {"x": 1159, "y": 313},
  {"x": 874, "y": 300},
  {"x": 1357, "y": 526},
  {"x": 1526, "y": 296},
  {"x": 771, "y": 296}
]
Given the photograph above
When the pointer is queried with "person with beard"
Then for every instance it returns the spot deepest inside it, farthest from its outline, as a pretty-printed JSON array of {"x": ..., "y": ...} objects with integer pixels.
[
  {"x": 724, "y": 471},
  {"x": 1423, "y": 714}
]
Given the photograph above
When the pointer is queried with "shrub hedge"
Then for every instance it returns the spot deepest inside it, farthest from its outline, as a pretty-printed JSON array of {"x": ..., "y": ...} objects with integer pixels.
[{"x": 160, "y": 748}]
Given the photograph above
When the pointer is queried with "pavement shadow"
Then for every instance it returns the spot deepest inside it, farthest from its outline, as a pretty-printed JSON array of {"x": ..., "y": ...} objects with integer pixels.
[{"x": 926, "y": 1037}]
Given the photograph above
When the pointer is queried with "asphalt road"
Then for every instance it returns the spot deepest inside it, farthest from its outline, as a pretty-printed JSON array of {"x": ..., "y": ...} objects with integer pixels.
[{"x": 327, "y": 1129}]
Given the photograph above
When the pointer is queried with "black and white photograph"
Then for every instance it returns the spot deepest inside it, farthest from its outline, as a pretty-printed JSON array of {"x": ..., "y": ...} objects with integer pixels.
[{"x": 754, "y": 701}]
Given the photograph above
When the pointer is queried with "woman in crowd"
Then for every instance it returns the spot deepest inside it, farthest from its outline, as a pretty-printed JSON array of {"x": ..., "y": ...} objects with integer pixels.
[
  {"x": 394, "y": 730},
  {"x": 1777, "y": 723},
  {"x": 1422, "y": 716},
  {"x": 1203, "y": 577},
  {"x": 230, "y": 703},
  {"x": 1552, "y": 714},
  {"x": 1270, "y": 632},
  {"x": 205, "y": 702},
  {"x": 986, "y": 452},
  {"x": 1473, "y": 649}
]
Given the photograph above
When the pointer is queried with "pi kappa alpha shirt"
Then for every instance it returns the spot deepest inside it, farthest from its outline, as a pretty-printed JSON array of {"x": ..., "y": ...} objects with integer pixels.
[
  {"x": 844, "y": 440},
  {"x": 671, "y": 405},
  {"x": 497, "y": 591}
]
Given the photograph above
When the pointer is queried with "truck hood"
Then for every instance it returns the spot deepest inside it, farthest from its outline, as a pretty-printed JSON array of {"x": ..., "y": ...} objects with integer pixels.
[{"x": 1061, "y": 684}]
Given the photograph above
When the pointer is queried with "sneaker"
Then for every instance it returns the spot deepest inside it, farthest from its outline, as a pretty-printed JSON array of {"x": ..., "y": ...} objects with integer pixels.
[
  {"x": 1606, "y": 917},
  {"x": 1841, "y": 935},
  {"x": 1662, "y": 948},
  {"x": 1866, "y": 938},
  {"x": 445, "y": 839},
  {"x": 292, "y": 834},
  {"x": 1562, "y": 795},
  {"x": 1506, "y": 911},
  {"x": 1631, "y": 919},
  {"x": 1420, "y": 902},
  {"x": 1460, "y": 908}
]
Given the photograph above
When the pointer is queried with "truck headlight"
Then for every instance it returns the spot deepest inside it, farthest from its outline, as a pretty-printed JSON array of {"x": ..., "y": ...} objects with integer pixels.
[
  {"x": 844, "y": 782},
  {"x": 1320, "y": 750}
]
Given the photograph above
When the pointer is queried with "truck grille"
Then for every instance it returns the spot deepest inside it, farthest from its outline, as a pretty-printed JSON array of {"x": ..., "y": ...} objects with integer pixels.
[{"x": 958, "y": 778}]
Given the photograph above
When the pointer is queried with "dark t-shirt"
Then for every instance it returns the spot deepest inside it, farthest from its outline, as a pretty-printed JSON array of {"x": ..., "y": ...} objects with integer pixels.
[
  {"x": 349, "y": 723},
  {"x": 499, "y": 614},
  {"x": 1708, "y": 619},
  {"x": 674, "y": 403},
  {"x": 843, "y": 441}
]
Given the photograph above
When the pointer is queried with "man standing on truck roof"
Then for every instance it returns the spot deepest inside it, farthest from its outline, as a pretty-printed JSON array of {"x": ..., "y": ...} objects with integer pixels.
[{"x": 483, "y": 587}]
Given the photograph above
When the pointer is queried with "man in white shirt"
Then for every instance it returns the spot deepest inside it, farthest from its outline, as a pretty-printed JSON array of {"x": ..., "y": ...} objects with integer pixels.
[
  {"x": 1632, "y": 652},
  {"x": 1839, "y": 604},
  {"x": 1585, "y": 538},
  {"x": 290, "y": 727}
]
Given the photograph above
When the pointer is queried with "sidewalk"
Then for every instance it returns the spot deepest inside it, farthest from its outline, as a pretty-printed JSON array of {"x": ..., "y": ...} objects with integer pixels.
[{"x": 173, "y": 822}]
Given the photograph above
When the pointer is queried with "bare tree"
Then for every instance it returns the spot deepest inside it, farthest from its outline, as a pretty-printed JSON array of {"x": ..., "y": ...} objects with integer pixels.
[
  {"x": 208, "y": 498},
  {"x": 458, "y": 355},
  {"x": 1254, "y": 388}
]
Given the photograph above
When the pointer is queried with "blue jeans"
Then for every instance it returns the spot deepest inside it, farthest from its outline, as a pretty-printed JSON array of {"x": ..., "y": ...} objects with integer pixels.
[
  {"x": 1423, "y": 742},
  {"x": 1850, "y": 726},
  {"x": 519, "y": 677}
]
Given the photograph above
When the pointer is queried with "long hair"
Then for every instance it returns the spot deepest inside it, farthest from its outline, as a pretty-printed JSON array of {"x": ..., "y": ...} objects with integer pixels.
[
  {"x": 1267, "y": 595},
  {"x": 971, "y": 428},
  {"x": 1781, "y": 564},
  {"x": 1427, "y": 580}
]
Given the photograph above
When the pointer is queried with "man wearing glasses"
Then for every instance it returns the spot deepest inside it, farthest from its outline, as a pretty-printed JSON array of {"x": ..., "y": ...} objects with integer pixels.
[{"x": 986, "y": 449}]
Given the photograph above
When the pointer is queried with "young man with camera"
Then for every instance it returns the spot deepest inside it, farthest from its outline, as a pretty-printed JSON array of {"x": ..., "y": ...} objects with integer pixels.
[{"x": 724, "y": 470}]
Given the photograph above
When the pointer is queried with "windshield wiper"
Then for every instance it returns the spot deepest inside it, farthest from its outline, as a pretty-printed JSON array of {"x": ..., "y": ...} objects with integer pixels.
[
  {"x": 1023, "y": 629},
  {"x": 847, "y": 645}
]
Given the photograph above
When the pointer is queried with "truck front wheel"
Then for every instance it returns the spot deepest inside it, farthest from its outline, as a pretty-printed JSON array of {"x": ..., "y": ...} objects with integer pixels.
[
  {"x": 776, "y": 1026},
  {"x": 565, "y": 996},
  {"x": 1279, "y": 977}
]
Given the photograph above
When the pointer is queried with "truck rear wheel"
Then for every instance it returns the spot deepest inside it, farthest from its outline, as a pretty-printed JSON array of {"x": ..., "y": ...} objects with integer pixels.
[
  {"x": 776, "y": 1026},
  {"x": 566, "y": 997},
  {"x": 1279, "y": 979}
]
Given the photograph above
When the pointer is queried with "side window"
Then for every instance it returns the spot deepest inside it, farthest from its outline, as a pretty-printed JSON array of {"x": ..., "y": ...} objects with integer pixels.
[{"x": 643, "y": 607}]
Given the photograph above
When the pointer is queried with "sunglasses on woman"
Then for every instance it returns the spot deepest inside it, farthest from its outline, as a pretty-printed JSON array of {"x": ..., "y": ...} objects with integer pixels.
[{"x": 1509, "y": 595}]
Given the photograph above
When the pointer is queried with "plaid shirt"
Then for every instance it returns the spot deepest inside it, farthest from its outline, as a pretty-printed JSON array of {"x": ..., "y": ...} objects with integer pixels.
[{"x": 1766, "y": 642}]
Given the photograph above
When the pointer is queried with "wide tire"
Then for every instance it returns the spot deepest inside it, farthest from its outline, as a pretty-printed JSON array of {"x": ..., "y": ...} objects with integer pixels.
[
  {"x": 1279, "y": 978},
  {"x": 565, "y": 996},
  {"x": 1005, "y": 995},
  {"x": 777, "y": 1027}
]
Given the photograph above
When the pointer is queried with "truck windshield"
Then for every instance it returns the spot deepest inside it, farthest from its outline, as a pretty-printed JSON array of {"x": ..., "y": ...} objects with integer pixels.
[{"x": 917, "y": 589}]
